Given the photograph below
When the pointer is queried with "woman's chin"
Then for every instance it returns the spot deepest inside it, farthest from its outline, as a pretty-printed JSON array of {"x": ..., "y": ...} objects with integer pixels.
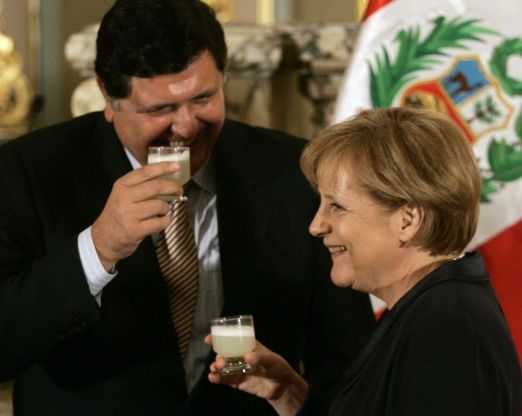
[{"x": 342, "y": 279}]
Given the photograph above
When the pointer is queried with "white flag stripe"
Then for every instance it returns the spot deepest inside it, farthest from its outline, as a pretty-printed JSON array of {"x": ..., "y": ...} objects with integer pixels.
[
  {"x": 501, "y": 215},
  {"x": 379, "y": 32}
]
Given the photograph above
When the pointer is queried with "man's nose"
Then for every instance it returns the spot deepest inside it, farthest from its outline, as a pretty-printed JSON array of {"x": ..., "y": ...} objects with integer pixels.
[{"x": 184, "y": 124}]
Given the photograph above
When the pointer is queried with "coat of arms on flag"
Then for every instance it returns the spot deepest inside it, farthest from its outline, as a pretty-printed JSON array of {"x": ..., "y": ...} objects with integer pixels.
[{"x": 463, "y": 58}]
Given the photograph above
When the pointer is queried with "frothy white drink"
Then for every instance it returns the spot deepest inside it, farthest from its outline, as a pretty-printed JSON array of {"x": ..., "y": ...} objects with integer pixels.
[
  {"x": 233, "y": 341},
  {"x": 182, "y": 176}
]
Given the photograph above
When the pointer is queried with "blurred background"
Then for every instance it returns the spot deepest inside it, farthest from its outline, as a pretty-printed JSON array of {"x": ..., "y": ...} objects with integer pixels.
[{"x": 276, "y": 45}]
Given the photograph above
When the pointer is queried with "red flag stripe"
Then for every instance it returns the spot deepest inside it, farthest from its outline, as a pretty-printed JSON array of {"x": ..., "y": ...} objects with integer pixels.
[
  {"x": 373, "y": 6},
  {"x": 503, "y": 257}
]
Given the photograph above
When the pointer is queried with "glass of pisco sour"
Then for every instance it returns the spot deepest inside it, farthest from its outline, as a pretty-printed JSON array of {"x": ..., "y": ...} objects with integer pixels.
[
  {"x": 174, "y": 153},
  {"x": 233, "y": 337}
]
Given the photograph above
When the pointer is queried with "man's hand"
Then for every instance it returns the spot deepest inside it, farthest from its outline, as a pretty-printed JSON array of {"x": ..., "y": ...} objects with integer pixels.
[{"x": 133, "y": 212}]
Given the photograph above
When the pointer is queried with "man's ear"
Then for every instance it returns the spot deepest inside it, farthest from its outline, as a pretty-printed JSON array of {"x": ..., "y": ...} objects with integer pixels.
[
  {"x": 411, "y": 220},
  {"x": 108, "y": 111}
]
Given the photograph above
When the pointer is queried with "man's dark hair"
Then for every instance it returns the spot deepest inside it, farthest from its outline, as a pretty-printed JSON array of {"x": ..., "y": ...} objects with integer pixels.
[{"x": 147, "y": 38}]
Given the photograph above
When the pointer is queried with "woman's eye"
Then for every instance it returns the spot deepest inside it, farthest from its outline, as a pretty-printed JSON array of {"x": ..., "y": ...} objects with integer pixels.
[{"x": 336, "y": 207}]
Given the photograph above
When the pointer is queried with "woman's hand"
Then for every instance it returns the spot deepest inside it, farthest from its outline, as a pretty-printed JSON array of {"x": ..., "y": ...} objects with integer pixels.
[{"x": 274, "y": 379}]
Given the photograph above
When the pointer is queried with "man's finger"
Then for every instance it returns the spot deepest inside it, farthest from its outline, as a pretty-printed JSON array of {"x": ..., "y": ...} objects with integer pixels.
[{"x": 148, "y": 172}]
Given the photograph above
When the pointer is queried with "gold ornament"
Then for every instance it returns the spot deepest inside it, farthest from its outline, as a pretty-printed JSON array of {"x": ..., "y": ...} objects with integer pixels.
[
  {"x": 16, "y": 94},
  {"x": 224, "y": 9}
]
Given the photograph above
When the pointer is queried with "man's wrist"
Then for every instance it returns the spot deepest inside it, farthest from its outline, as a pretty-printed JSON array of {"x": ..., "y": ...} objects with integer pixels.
[{"x": 95, "y": 272}]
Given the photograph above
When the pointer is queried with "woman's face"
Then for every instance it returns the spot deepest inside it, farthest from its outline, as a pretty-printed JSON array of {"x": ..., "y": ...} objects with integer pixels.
[{"x": 361, "y": 235}]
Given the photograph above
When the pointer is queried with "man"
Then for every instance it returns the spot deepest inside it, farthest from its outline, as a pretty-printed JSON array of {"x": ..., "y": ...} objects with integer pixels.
[{"x": 85, "y": 325}]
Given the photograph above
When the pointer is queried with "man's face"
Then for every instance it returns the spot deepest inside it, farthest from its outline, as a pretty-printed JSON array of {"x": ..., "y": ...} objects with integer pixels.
[{"x": 184, "y": 107}]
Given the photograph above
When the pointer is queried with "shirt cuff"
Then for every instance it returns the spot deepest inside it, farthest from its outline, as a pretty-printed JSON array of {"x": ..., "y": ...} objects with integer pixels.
[{"x": 97, "y": 277}]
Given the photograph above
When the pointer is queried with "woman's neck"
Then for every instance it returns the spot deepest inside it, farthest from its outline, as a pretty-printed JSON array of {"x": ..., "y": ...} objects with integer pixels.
[{"x": 410, "y": 272}]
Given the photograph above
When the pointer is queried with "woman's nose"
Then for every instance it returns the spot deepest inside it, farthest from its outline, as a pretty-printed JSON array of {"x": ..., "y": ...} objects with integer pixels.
[{"x": 318, "y": 227}]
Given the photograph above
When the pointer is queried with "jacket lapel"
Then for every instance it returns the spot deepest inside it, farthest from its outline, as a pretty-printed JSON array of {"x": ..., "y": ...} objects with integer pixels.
[{"x": 241, "y": 204}]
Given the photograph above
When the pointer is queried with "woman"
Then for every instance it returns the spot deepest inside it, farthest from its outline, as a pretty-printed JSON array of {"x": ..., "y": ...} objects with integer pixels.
[{"x": 400, "y": 191}]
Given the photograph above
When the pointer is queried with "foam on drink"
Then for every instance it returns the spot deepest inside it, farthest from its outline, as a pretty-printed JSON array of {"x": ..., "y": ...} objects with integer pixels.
[
  {"x": 182, "y": 176},
  {"x": 233, "y": 341}
]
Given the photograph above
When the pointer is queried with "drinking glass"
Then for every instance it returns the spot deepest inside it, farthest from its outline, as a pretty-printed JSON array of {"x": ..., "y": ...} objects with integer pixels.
[
  {"x": 174, "y": 153},
  {"x": 232, "y": 337}
]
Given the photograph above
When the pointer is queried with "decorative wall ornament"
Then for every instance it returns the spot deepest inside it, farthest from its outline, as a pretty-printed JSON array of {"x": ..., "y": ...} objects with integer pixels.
[
  {"x": 80, "y": 50},
  {"x": 253, "y": 50},
  {"x": 324, "y": 52},
  {"x": 16, "y": 94},
  {"x": 254, "y": 54}
]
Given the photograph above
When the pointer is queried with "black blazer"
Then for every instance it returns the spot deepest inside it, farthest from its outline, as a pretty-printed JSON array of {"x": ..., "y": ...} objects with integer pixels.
[
  {"x": 70, "y": 357},
  {"x": 444, "y": 349}
]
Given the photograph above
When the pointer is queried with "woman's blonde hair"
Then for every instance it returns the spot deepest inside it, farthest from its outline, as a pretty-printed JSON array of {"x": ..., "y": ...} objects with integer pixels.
[{"x": 405, "y": 155}]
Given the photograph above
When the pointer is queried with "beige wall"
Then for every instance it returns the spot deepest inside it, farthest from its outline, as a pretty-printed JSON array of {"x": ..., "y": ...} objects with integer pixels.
[{"x": 325, "y": 10}]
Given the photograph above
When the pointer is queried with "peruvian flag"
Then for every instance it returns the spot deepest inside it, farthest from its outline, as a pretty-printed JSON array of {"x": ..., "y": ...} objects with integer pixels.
[{"x": 464, "y": 58}]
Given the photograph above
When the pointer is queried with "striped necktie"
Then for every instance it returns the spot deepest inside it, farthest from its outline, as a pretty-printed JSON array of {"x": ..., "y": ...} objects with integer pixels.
[{"x": 178, "y": 261}]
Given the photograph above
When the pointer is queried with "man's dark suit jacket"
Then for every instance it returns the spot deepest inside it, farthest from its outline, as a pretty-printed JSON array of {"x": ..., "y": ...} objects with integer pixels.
[
  {"x": 70, "y": 357},
  {"x": 443, "y": 349}
]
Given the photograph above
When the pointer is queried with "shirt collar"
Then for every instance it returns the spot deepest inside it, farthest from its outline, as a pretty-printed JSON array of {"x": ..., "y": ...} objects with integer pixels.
[
  {"x": 205, "y": 177},
  {"x": 133, "y": 161}
]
